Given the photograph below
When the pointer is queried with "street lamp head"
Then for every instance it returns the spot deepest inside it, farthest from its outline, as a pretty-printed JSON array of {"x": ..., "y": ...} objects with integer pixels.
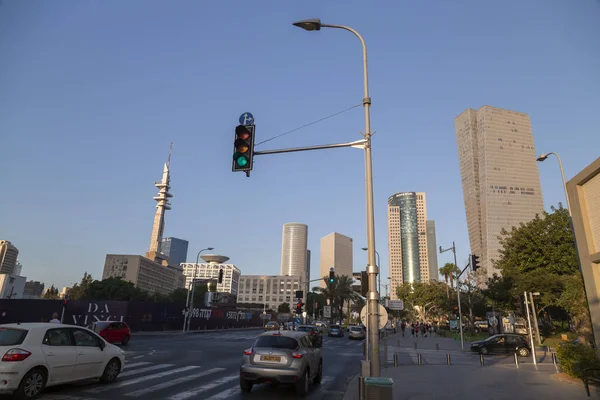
[
  {"x": 313, "y": 24},
  {"x": 364, "y": 248},
  {"x": 542, "y": 157},
  {"x": 210, "y": 248}
]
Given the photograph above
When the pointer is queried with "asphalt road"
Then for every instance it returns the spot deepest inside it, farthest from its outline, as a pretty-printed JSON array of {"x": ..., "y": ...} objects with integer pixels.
[{"x": 206, "y": 366}]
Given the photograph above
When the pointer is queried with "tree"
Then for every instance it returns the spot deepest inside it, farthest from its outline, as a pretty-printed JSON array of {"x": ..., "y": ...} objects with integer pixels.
[
  {"x": 114, "y": 289},
  {"x": 449, "y": 271},
  {"x": 77, "y": 292},
  {"x": 51, "y": 293},
  {"x": 338, "y": 292},
  {"x": 283, "y": 308},
  {"x": 427, "y": 299}
]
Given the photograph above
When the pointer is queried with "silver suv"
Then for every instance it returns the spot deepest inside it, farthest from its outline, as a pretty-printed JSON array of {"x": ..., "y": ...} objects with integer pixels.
[{"x": 286, "y": 357}]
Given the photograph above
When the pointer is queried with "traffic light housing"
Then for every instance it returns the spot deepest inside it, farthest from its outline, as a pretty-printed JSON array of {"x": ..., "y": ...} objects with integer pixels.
[
  {"x": 299, "y": 305},
  {"x": 364, "y": 283},
  {"x": 220, "y": 276},
  {"x": 475, "y": 262},
  {"x": 331, "y": 275},
  {"x": 243, "y": 148}
]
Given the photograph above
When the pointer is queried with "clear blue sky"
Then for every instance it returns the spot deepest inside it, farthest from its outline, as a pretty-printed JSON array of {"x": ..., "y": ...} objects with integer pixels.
[{"x": 92, "y": 92}]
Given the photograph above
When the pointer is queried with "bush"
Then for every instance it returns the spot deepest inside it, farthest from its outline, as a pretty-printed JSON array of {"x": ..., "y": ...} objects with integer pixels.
[{"x": 574, "y": 358}]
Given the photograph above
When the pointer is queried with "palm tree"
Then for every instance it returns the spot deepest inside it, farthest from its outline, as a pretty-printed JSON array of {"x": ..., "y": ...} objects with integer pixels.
[
  {"x": 338, "y": 291},
  {"x": 449, "y": 271}
]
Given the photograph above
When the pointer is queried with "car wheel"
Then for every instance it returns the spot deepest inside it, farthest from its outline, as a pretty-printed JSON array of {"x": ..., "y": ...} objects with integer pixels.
[
  {"x": 523, "y": 352},
  {"x": 483, "y": 351},
  {"x": 245, "y": 385},
  {"x": 32, "y": 384},
  {"x": 125, "y": 340},
  {"x": 302, "y": 385},
  {"x": 111, "y": 371},
  {"x": 319, "y": 377}
]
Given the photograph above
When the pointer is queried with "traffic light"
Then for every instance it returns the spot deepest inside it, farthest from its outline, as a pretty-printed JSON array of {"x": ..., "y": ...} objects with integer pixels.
[
  {"x": 243, "y": 148},
  {"x": 221, "y": 276},
  {"x": 331, "y": 275},
  {"x": 299, "y": 305},
  {"x": 475, "y": 262},
  {"x": 364, "y": 283}
]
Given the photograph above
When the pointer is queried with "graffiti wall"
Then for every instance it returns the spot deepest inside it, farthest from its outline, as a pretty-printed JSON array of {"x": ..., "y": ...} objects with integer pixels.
[{"x": 139, "y": 315}]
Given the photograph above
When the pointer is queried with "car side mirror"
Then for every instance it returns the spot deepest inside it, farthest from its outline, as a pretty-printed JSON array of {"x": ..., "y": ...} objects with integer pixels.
[{"x": 102, "y": 345}]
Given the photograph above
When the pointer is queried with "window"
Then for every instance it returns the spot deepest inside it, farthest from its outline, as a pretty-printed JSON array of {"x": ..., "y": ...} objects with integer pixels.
[
  {"x": 12, "y": 337},
  {"x": 83, "y": 338},
  {"x": 57, "y": 337},
  {"x": 276, "y": 342}
]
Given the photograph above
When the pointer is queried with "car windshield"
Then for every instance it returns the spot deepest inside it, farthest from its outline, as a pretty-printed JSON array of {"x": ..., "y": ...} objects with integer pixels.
[
  {"x": 271, "y": 323},
  {"x": 12, "y": 337},
  {"x": 335, "y": 327},
  {"x": 100, "y": 326},
  {"x": 276, "y": 342},
  {"x": 355, "y": 329},
  {"x": 305, "y": 328}
]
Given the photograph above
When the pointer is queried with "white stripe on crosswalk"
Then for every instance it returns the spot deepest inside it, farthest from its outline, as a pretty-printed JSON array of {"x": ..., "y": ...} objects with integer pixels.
[
  {"x": 142, "y": 370},
  {"x": 193, "y": 392},
  {"x": 140, "y": 379},
  {"x": 225, "y": 394},
  {"x": 137, "y": 364},
  {"x": 174, "y": 382},
  {"x": 64, "y": 397}
]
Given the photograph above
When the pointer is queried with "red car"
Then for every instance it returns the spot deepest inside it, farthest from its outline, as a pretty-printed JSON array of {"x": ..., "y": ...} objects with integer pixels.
[{"x": 113, "y": 331}]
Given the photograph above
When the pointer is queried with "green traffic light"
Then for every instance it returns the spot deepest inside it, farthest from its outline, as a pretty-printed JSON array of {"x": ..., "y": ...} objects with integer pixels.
[
  {"x": 331, "y": 280},
  {"x": 240, "y": 159}
]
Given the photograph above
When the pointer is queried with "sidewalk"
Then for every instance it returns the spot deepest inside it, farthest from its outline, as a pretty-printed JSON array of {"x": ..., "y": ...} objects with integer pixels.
[{"x": 181, "y": 333}]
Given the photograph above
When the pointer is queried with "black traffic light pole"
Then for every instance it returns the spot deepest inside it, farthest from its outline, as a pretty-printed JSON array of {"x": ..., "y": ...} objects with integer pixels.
[{"x": 359, "y": 144}]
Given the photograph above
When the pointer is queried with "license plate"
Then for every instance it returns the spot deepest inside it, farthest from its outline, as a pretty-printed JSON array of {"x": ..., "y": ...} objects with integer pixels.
[{"x": 270, "y": 358}]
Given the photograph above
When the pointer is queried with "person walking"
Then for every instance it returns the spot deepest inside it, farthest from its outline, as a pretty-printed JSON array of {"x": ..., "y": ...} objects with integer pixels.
[{"x": 55, "y": 319}]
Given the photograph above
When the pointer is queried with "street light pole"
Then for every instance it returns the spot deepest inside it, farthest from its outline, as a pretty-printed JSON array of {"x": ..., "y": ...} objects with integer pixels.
[
  {"x": 562, "y": 173},
  {"x": 462, "y": 340},
  {"x": 372, "y": 270},
  {"x": 378, "y": 266}
]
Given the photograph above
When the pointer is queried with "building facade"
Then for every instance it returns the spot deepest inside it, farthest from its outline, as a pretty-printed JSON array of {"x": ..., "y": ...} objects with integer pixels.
[
  {"x": 268, "y": 290},
  {"x": 33, "y": 290},
  {"x": 231, "y": 275},
  {"x": 8, "y": 257},
  {"x": 336, "y": 252},
  {"x": 144, "y": 273},
  {"x": 432, "y": 252},
  {"x": 500, "y": 177},
  {"x": 295, "y": 253},
  {"x": 584, "y": 202},
  {"x": 175, "y": 249},
  {"x": 12, "y": 286},
  {"x": 407, "y": 239}
]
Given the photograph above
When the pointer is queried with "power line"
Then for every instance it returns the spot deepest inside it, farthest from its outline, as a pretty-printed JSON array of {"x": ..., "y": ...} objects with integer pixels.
[{"x": 309, "y": 124}]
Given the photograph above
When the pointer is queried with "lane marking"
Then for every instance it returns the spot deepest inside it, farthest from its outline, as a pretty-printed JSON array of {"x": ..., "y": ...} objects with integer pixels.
[
  {"x": 137, "y": 364},
  {"x": 136, "y": 357},
  {"x": 193, "y": 392},
  {"x": 142, "y": 370},
  {"x": 174, "y": 382},
  {"x": 140, "y": 379},
  {"x": 226, "y": 394}
]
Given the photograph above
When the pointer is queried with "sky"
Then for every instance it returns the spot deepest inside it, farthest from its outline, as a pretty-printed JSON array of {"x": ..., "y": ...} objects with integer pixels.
[{"x": 93, "y": 92}]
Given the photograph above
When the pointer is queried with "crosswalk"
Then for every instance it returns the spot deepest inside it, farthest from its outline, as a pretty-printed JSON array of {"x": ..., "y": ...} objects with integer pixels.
[{"x": 145, "y": 379}]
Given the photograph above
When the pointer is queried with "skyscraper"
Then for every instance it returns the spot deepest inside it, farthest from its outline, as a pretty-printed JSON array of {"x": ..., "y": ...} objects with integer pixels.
[
  {"x": 175, "y": 249},
  {"x": 8, "y": 257},
  {"x": 500, "y": 176},
  {"x": 294, "y": 251},
  {"x": 336, "y": 252},
  {"x": 432, "y": 250},
  {"x": 407, "y": 237}
]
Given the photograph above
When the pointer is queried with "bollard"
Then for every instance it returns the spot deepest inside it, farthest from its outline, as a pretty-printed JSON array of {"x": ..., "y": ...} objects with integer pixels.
[
  {"x": 415, "y": 345},
  {"x": 448, "y": 359},
  {"x": 419, "y": 359},
  {"x": 516, "y": 360},
  {"x": 361, "y": 387},
  {"x": 395, "y": 360},
  {"x": 437, "y": 346},
  {"x": 481, "y": 360}
]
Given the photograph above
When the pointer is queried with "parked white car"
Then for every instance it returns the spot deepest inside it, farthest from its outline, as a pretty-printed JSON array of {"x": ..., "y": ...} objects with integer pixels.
[{"x": 37, "y": 355}]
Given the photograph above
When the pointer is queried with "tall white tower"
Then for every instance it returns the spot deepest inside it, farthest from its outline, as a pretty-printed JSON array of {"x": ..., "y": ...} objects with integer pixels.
[{"x": 162, "y": 200}]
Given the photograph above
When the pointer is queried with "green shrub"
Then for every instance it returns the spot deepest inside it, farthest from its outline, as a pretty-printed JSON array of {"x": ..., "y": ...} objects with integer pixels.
[{"x": 574, "y": 358}]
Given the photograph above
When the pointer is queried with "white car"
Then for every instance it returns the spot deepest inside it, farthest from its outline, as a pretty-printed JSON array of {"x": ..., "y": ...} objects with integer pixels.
[{"x": 36, "y": 355}]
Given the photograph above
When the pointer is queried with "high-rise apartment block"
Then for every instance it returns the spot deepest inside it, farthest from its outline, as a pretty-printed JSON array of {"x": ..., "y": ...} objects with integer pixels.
[
  {"x": 294, "y": 252},
  {"x": 8, "y": 257},
  {"x": 268, "y": 290},
  {"x": 336, "y": 252},
  {"x": 175, "y": 249},
  {"x": 407, "y": 237},
  {"x": 432, "y": 250},
  {"x": 500, "y": 176}
]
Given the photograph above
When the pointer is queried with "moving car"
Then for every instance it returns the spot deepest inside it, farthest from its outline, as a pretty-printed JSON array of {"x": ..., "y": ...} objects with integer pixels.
[
  {"x": 356, "y": 332},
  {"x": 113, "y": 331},
  {"x": 37, "y": 355},
  {"x": 313, "y": 333},
  {"x": 286, "y": 357},
  {"x": 272, "y": 326},
  {"x": 503, "y": 344},
  {"x": 335, "y": 330}
]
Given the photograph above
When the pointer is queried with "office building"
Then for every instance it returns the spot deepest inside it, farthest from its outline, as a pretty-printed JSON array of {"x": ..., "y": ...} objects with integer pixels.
[
  {"x": 336, "y": 252},
  {"x": 18, "y": 269},
  {"x": 407, "y": 238},
  {"x": 294, "y": 252},
  {"x": 231, "y": 275},
  {"x": 8, "y": 257},
  {"x": 33, "y": 290},
  {"x": 432, "y": 252},
  {"x": 144, "y": 273},
  {"x": 500, "y": 177},
  {"x": 12, "y": 286},
  {"x": 270, "y": 291},
  {"x": 175, "y": 249}
]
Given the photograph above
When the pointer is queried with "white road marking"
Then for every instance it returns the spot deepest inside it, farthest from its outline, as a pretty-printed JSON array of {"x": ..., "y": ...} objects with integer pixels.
[
  {"x": 136, "y": 357},
  {"x": 226, "y": 394},
  {"x": 64, "y": 397},
  {"x": 174, "y": 382},
  {"x": 140, "y": 379},
  {"x": 193, "y": 392},
  {"x": 137, "y": 364},
  {"x": 142, "y": 370}
]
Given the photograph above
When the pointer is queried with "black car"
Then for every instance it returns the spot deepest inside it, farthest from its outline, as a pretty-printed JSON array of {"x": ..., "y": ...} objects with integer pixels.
[{"x": 503, "y": 344}]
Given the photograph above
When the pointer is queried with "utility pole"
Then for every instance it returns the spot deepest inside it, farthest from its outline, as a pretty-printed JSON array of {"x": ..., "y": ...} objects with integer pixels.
[{"x": 535, "y": 321}]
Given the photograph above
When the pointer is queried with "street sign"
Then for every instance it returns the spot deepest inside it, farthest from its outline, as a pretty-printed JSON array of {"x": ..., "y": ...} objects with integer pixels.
[
  {"x": 327, "y": 311},
  {"x": 246, "y": 119},
  {"x": 383, "y": 316},
  {"x": 396, "y": 305}
]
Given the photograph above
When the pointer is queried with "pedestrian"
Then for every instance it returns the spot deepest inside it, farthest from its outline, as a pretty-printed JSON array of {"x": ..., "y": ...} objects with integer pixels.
[
  {"x": 403, "y": 327},
  {"x": 55, "y": 319}
]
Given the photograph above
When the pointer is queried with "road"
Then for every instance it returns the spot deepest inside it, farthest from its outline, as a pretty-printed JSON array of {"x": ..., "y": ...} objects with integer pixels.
[{"x": 206, "y": 366}]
